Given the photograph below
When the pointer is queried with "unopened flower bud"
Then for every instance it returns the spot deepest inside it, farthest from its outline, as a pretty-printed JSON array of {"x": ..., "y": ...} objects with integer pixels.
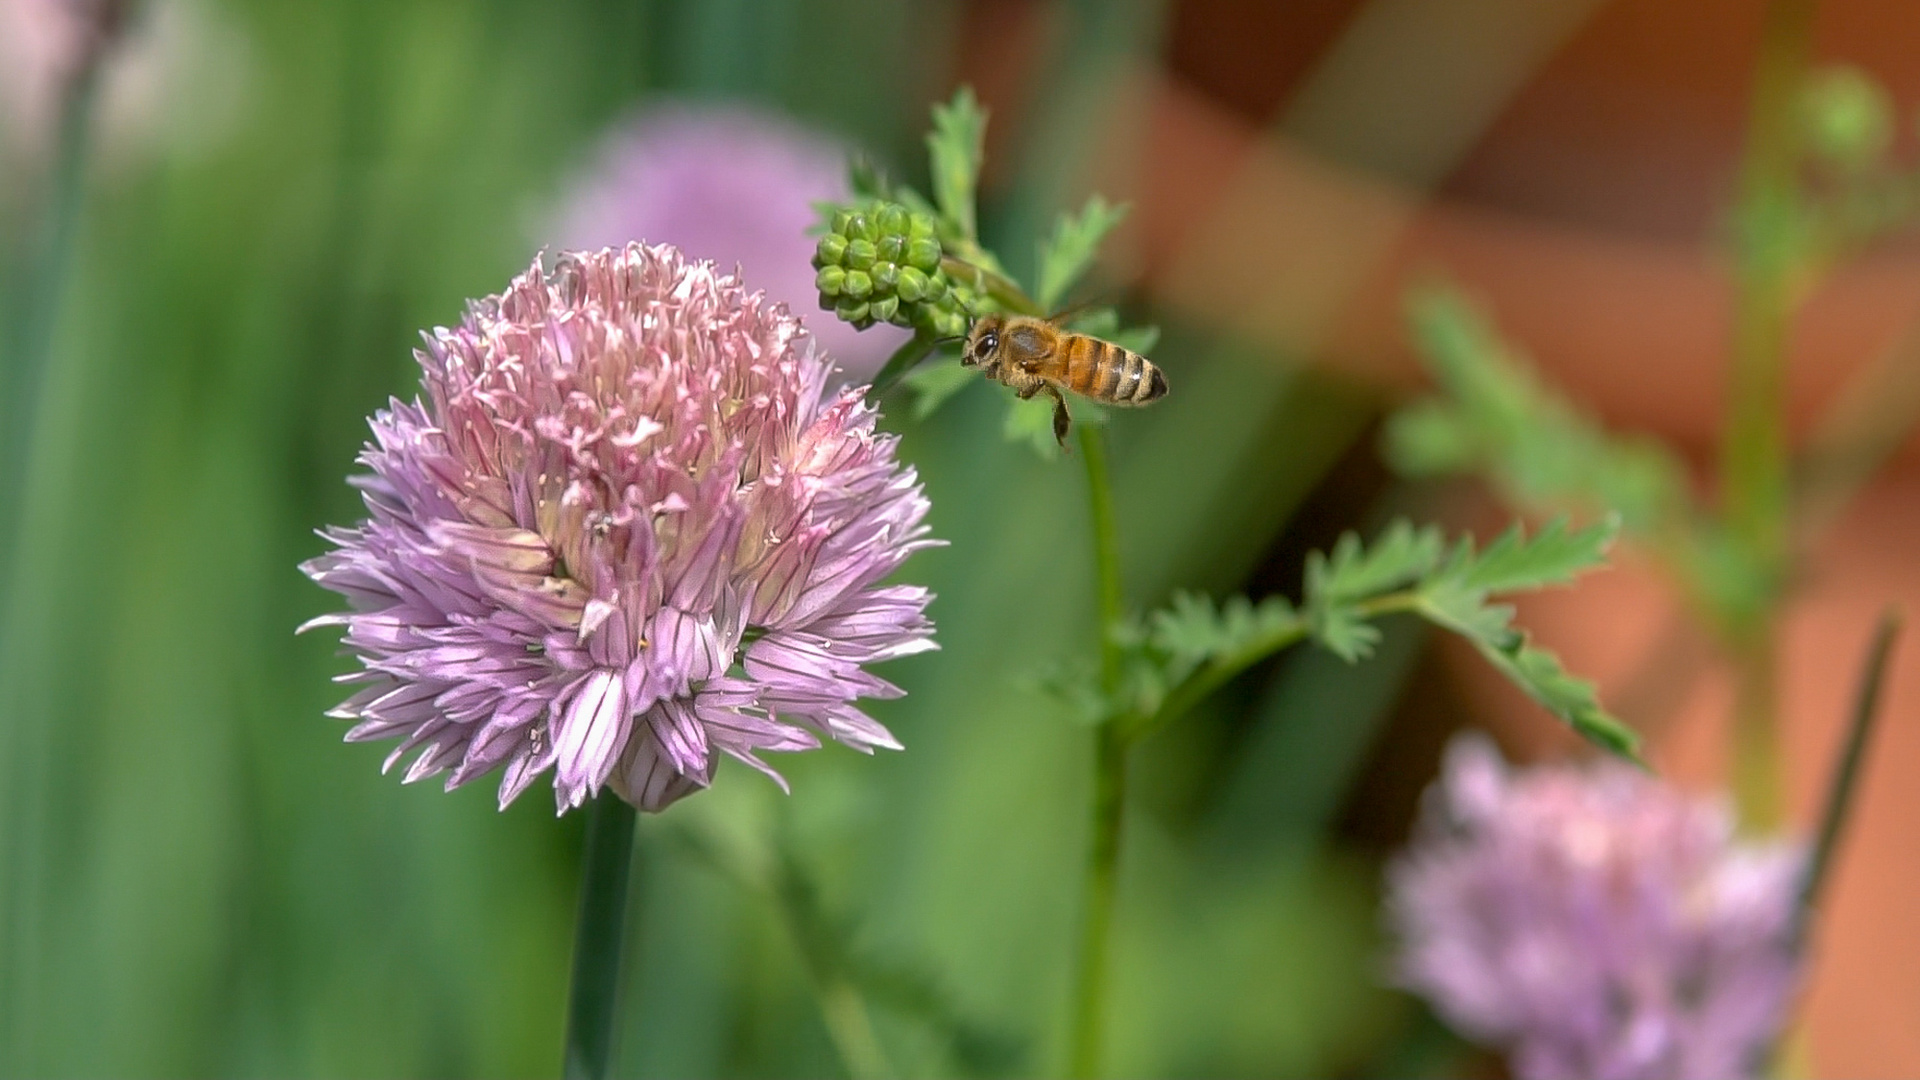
[
  {"x": 853, "y": 311},
  {"x": 923, "y": 253},
  {"x": 911, "y": 285},
  {"x": 881, "y": 262},
  {"x": 830, "y": 251}
]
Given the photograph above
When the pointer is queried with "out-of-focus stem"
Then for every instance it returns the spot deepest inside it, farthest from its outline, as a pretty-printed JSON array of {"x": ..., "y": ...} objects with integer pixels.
[
  {"x": 1109, "y": 778},
  {"x": 851, "y": 1029},
  {"x": 843, "y": 1007},
  {"x": 1753, "y": 451},
  {"x": 43, "y": 278},
  {"x": 1753, "y": 462},
  {"x": 599, "y": 937},
  {"x": 28, "y": 320},
  {"x": 1757, "y": 764},
  {"x": 1846, "y": 773}
]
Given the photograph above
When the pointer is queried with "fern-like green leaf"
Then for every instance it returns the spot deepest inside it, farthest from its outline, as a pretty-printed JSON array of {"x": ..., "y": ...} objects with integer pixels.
[
  {"x": 1065, "y": 256},
  {"x": 1344, "y": 631},
  {"x": 1401, "y": 555},
  {"x": 1553, "y": 556},
  {"x": 1495, "y": 417},
  {"x": 954, "y": 151},
  {"x": 1574, "y": 700},
  {"x": 933, "y": 384},
  {"x": 1192, "y": 630}
]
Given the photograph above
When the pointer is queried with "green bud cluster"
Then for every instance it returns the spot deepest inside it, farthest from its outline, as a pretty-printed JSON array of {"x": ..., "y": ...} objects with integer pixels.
[{"x": 881, "y": 263}]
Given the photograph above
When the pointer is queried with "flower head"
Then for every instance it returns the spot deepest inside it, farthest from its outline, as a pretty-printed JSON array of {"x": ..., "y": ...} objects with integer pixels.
[
  {"x": 1596, "y": 921},
  {"x": 626, "y": 532},
  {"x": 730, "y": 184}
]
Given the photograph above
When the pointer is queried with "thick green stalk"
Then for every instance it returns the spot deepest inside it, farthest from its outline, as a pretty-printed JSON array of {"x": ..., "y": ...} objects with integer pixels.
[
  {"x": 1109, "y": 779},
  {"x": 1096, "y": 915},
  {"x": 599, "y": 937},
  {"x": 1106, "y": 553},
  {"x": 1753, "y": 461}
]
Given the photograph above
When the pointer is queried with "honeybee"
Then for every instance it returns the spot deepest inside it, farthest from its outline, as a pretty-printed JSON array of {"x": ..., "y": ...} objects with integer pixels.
[{"x": 1032, "y": 355}]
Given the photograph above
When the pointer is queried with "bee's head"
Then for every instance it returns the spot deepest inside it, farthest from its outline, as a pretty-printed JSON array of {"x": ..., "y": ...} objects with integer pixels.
[{"x": 982, "y": 340}]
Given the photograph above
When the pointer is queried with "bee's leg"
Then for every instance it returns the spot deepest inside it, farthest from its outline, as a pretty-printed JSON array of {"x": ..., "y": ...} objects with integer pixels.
[
  {"x": 1061, "y": 421},
  {"x": 1026, "y": 392}
]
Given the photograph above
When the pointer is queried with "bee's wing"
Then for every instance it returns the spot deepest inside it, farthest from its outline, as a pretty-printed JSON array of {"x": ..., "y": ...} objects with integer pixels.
[{"x": 1028, "y": 346}]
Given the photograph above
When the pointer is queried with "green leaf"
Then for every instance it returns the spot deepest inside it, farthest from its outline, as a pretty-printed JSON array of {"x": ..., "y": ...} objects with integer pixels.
[
  {"x": 1066, "y": 256},
  {"x": 1075, "y": 685},
  {"x": 933, "y": 384},
  {"x": 1191, "y": 630},
  {"x": 1401, "y": 555},
  {"x": 1573, "y": 700},
  {"x": 1463, "y": 609},
  {"x": 954, "y": 151},
  {"x": 1553, "y": 557},
  {"x": 1031, "y": 422},
  {"x": 911, "y": 352},
  {"x": 866, "y": 181},
  {"x": 1494, "y": 417},
  {"x": 1344, "y": 631}
]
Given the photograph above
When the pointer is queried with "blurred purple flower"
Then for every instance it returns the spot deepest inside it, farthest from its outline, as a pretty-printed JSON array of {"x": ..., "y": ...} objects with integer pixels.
[
  {"x": 732, "y": 185},
  {"x": 1596, "y": 922},
  {"x": 626, "y": 532}
]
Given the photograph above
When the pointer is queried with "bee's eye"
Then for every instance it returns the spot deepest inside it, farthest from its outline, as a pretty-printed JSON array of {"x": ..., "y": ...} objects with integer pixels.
[{"x": 989, "y": 341}]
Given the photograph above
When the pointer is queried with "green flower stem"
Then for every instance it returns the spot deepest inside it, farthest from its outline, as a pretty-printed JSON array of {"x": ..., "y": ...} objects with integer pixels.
[
  {"x": 904, "y": 359},
  {"x": 1110, "y": 748},
  {"x": 1106, "y": 553},
  {"x": 1758, "y": 768},
  {"x": 998, "y": 288},
  {"x": 1214, "y": 674},
  {"x": 599, "y": 937},
  {"x": 1211, "y": 676},
  {"x": 1753, "y": 452},
  {"x": 1754, "y": 466},
  {"x": 1846, "y": 774}
]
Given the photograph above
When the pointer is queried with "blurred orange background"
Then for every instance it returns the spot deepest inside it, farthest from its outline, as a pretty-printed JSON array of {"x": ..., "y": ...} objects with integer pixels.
[{"x": 1571, "y": 166}]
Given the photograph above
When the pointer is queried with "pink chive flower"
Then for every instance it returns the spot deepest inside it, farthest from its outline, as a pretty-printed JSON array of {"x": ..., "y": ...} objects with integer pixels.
[
  {"x": 627, "y": 532},
  {"x": 730, "y": 184},
  {"x": 1596, "y": 922}
]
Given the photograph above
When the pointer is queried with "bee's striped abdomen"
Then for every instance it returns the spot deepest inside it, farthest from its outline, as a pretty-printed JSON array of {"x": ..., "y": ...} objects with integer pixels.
[{"x": 1110, "y": 374}]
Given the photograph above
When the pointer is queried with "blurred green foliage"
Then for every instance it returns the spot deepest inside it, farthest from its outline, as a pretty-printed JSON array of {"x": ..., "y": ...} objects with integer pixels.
[{"x": 201, "y": 880}]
